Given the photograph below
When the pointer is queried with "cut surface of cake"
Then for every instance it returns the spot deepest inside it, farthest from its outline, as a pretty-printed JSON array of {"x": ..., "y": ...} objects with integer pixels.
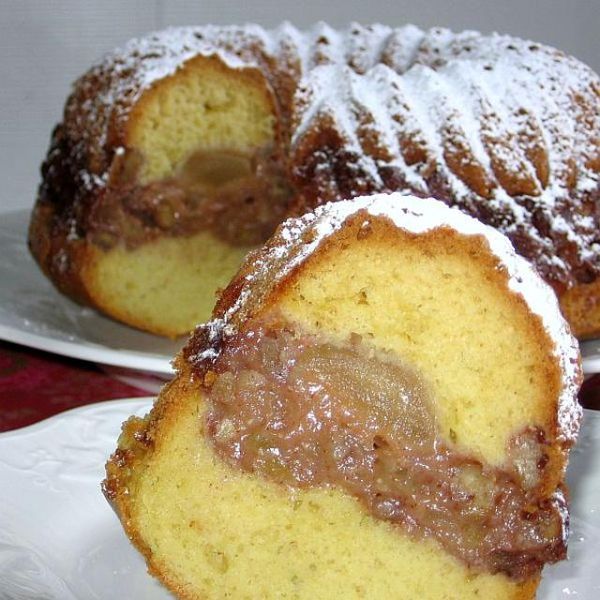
[
  {"x": 381, "y": 407},
  {"x": 198, "y": 141}
]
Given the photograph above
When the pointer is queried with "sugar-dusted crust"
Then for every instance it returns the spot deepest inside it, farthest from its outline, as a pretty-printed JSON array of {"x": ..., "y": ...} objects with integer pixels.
[
  {"x": 505, "y": 129},
  {"x": 296, "y": 240}
]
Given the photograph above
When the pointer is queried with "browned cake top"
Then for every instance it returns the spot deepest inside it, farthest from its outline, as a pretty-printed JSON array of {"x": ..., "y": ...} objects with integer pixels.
[{"x": 506, "y": 129}]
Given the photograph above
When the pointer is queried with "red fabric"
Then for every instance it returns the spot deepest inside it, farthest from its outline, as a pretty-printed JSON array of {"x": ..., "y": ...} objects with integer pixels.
[
  {"x": 35, "y": 385},
  {"x": 589, "y": 396}
]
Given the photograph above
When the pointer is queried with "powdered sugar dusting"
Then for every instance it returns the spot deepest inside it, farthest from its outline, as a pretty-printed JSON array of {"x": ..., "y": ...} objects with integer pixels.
[
  {"x": 560, "y": 502},
  {"x": 161, "y": 54},
  {"x": 503, "y": 128},
  {"x": 506, "y": 106}
]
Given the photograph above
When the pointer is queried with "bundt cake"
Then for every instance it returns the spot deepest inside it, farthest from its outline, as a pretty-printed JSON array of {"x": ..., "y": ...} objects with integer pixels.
[
  {"x": 186, "y": 148},
  {"x": 381, "y": 407}
]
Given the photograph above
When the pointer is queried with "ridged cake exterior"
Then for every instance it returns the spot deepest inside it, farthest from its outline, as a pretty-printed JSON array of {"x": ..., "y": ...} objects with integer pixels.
[{"x": 505, "y": 129}]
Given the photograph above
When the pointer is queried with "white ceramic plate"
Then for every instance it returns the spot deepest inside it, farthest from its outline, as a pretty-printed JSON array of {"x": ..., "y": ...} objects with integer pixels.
[
  {"x": 34, "y": 314},
  {"x": 59, "y": 540}
]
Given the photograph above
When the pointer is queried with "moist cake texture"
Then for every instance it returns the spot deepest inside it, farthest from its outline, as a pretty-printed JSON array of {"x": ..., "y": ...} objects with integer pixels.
[{"x": 383, "y": 404}]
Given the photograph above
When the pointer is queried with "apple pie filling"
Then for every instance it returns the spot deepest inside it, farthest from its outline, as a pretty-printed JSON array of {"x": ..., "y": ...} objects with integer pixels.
[
  {"x": 306, "y": 412},
  {"x": 240, "y": 198}
]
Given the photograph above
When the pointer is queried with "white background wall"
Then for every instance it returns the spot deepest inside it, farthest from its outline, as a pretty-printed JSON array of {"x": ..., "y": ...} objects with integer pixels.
[{"x": 45, "y": 45}]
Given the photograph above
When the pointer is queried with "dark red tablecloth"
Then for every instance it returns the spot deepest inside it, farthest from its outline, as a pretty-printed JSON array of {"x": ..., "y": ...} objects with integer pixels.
[
  {"x": 35, "y": 385},
  {"x": 589, "y": 395}
]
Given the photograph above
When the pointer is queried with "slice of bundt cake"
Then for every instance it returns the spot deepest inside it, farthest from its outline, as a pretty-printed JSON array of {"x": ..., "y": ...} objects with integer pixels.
[
  {"x": 382, "y": 407},
  {"x": 179, "y": 152}
]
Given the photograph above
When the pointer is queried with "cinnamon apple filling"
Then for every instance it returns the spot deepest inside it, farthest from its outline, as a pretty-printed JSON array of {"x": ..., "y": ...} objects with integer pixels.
[
  {"x": 240, "y": 198},
  {"x": 306, "y": 412}
]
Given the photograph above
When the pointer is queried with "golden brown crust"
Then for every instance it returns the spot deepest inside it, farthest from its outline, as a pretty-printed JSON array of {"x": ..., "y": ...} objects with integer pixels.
[
  {"x": 581, "y": 307},
  {"x": 63, "y": 262},
  {"x": 139, "y": 439},
  {"x": 525, "y": 176}
]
